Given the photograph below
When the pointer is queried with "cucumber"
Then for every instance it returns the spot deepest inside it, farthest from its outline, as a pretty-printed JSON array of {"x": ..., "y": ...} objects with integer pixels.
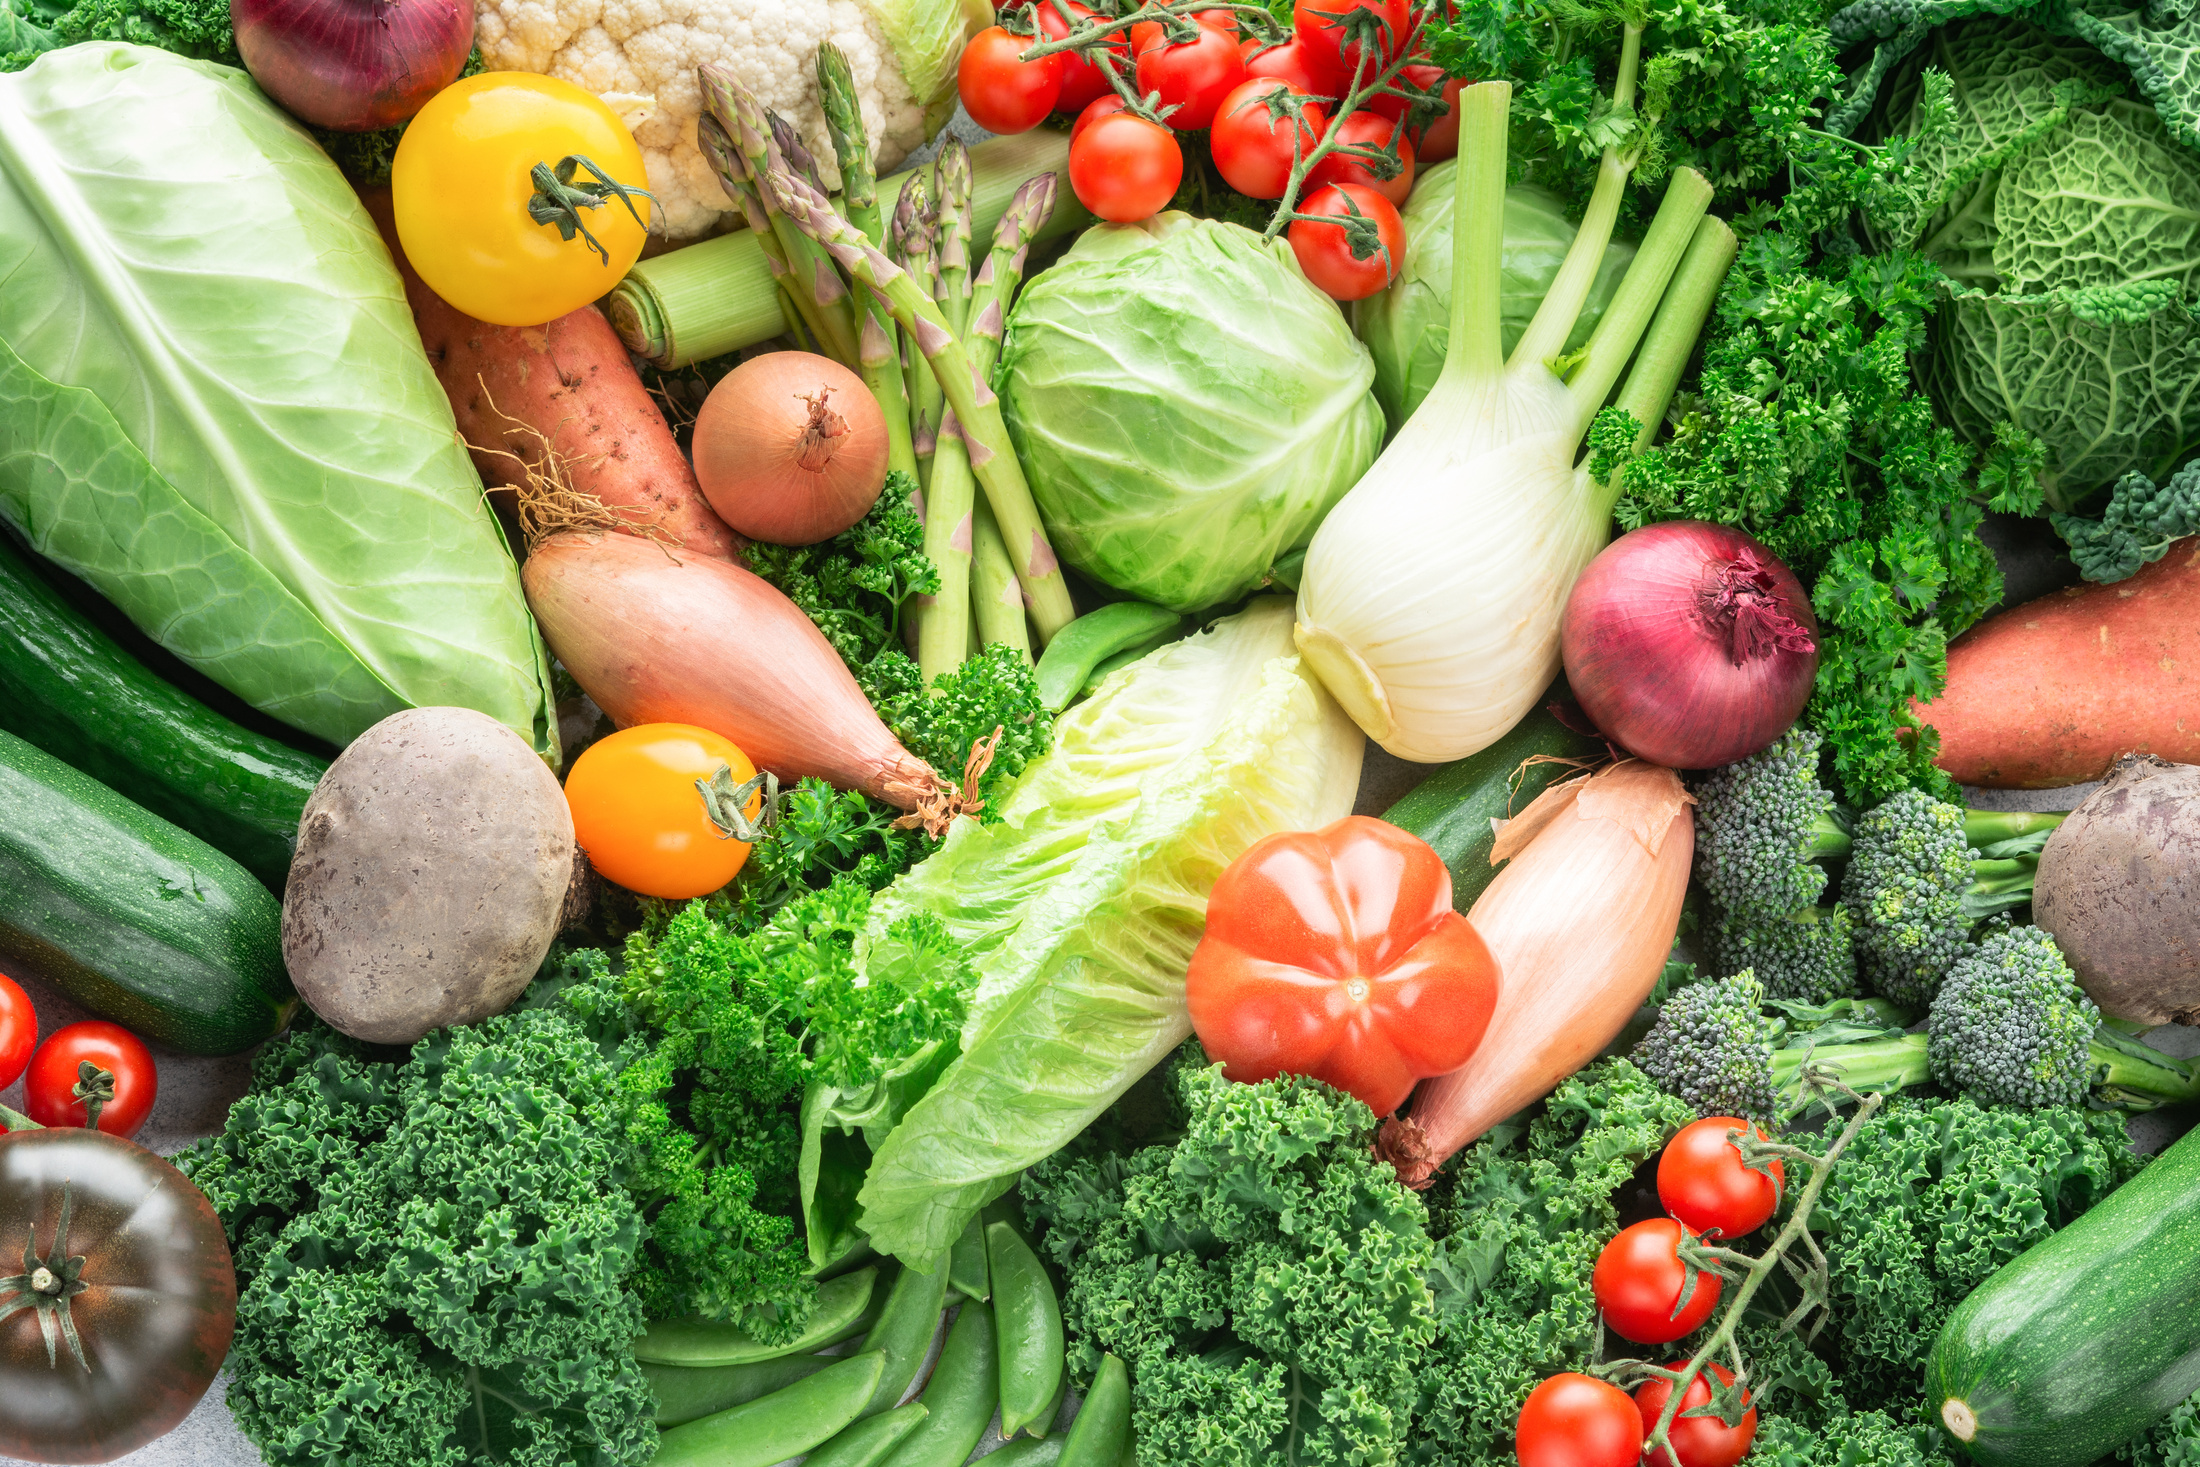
[
  {"x": 1453, "y": 807},
  {"x": 75, "y": 692},
  {"x": 138, "y": 921},
  {"x": 2085, "y": 1339}
]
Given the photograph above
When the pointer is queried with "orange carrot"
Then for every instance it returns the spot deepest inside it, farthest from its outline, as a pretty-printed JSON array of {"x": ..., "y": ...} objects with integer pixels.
[
  {"x": 566, "y": 389},
  {"x": 2051, "y": 692}
]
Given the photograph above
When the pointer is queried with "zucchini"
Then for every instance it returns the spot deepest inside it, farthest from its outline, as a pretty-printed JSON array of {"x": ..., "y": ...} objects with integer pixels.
[
  {"x": 75, "y": 692},
  {"x": 1453, "y": 807},
  {"x": 2085, "y": 1339},
  {"x": 138, "y": 921}
]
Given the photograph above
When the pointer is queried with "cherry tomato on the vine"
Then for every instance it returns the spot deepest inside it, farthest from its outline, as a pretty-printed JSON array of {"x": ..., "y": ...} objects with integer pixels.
[
  {"x": 1144, "y": 33},
  {"x": 18, "y": 1030},
  {"x": 1083, "y": 76},
  {"x": 1699, "y": 1441},
  {"x": 1292, "y": 63},
  {"x": 1574, "y": 1420},
  {"x": 1702, "y": 1181},
  {"x": 1366, "y": 129},
  {"x": 1191, "y": 76},
  {"x": 1325, "y": 251},
  {"x": 642, "y": 821},
  {"x": 1255, "y": 143},
  {"x": 1124, "y": 168},
  {"x": 1001, "y": 91},
  {"x": 58, "y": 1092},
  {"x": 1639, "y": 1279},
  {"x": 1328, "y": 28},
  {"x": 461, "y": 185},
  {"x": 1098, "y": 108},
  {"x": 1425, "y": 77}
]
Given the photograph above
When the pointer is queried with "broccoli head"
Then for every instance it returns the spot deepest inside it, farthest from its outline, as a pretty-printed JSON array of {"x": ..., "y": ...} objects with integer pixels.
[
  {"x": 1712, "y": 1047},
  {"x": 1808, "y": 955},
  {"x": 2011, "y": 1026},
  {"x": 1904, "y": 888}
]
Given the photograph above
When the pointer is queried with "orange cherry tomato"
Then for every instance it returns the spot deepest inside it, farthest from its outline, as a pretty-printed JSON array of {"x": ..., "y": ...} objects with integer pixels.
[{"x": 641, "y": 819}]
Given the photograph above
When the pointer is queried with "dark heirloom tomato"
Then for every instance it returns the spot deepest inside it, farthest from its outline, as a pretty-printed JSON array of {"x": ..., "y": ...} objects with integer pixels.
[
  {"x": 123, "y": 1307},
  {"x": 1335, "y": 953}
]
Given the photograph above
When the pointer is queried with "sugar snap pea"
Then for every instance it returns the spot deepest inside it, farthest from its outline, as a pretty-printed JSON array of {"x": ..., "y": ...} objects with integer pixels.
[
  {"x": 1028, "y": 1319},
  {"x": 1101, "y": 1434},
  {"x": 905, "y": 1328},
  {"x": 868, "y": 1442},
  {"x": 1085, "y": 643},
  {"x": 962, "y": 1393},
  {"x": 967, "y": 1270},
  {"x": 1042, "y": 1451},
  {"x": 784, "y": 1424},
  {"x": 696, "y": 1342},
  {"x": 687, "y": 1393},
  {"x": 1129, "y": 655}
]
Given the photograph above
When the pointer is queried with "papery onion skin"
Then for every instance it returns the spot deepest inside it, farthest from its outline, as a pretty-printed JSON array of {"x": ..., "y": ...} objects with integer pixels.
[
  {"x": 353, "y": 65},
  {"x": 790, "y": 448},
  {"x": 1690, "y": 644}
]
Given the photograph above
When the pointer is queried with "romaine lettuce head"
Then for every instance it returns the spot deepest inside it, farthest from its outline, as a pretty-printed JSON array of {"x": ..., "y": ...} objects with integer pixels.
[
  {"x": 215, "y": 408},
  {"x": 1408, "y": 326},
  {"x": 1186, "y": 405},
  {"x": 1081, "y": 907}
]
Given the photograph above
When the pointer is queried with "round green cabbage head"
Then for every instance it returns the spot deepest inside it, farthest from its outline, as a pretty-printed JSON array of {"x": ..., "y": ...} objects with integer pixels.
[
  {"x": 1186, "y": 406},
  {"x": 1408, "y": 326},
  {"x": 2067, "y": 218}
]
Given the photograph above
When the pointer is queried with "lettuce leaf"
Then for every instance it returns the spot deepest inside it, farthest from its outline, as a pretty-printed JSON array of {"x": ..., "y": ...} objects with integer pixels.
[
  {"x": 214, "y": 406},
  {"x": 1081, "y": 907}
]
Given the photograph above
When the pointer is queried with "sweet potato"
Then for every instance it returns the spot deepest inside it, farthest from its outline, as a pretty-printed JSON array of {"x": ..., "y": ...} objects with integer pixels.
[
  {"x": 569, "y": 387},
  {"x": 2051, "y": 692}
]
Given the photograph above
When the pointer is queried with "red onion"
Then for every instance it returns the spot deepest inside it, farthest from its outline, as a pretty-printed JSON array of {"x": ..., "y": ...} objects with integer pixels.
[
  {"x": 1689, "y": 644},
  {"x": 790, "y": 448},
  {"x": 353, "y": 65}
]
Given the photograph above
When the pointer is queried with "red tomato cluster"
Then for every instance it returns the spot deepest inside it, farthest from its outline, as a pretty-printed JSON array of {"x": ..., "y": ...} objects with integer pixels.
[
  {"x": 56, "y": 1089},
  {"x": 1574, "y": 1420}
]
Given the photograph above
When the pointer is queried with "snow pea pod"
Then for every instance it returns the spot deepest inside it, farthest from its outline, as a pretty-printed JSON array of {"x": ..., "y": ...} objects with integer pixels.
[
  {"x": 1130, "y": 655},
  {"x": 868, "y": 1442},
  {"x": 1031, "y": 1451},
  {"x": 686, "y": 1394},
  {"x": 904, "y": 1330},
  {"x": 1092, "y": 639},
  {"x": 698, "y": 1342},
  {"x": 967, "y": 1270},
  {"x": 964, "y": 1389},
  {"x": 1029, "y": 1324},
  {"x": 784, "y": 1424},
  {"x": 1101, "y": 1434}
]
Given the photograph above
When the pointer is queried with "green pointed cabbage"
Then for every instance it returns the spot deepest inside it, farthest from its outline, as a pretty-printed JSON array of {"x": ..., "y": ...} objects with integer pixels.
[
  {"x": 1407, "y": 326},
  {"x": 1186, "y": 406},
  {"x": 214, "y": 405}
]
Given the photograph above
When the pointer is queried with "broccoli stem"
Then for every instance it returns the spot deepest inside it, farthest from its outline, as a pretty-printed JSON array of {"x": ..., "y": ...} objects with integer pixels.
[
  {"x": 1983, "y": 828},
  {"x": 1870, "y": 1067},
  {"x": 2127, "y": 1075},
  {"x": 2132, "y": 1076}
]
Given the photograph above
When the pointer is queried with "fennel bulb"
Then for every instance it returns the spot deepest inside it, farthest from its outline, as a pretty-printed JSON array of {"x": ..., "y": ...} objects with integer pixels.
[{"x": 1431, "y": 598}]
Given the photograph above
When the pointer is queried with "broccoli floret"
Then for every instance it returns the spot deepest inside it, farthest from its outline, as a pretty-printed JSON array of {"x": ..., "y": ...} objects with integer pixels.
[
  {"x": 1762, "y": 824},
  {"x": 1808, "y": 956},
  {"x": 1712, "y": 1047},
  {"x": 2142, "y": 520}
]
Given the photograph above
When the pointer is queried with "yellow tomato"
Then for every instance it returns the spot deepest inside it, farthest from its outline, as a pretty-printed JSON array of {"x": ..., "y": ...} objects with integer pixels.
[
  {"x": 462, "y": 182},
  {"x": 640, "y": 818}
]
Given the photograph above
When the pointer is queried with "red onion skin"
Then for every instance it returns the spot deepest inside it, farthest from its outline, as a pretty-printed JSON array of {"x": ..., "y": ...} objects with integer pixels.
[
  {"x": 748, "y": 446},
  {"x": 353, "y": 65},
  {"x": 1660, "y": 680}
]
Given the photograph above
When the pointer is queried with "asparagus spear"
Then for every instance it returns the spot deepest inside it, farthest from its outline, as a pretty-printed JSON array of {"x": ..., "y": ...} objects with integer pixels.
[
  {"x": 878, "y": 340},
  {"x": 996, "y": 603},
  {"x": 733, "y": 176},
  {"x": 951, "y": 177},
  {"x": 915, "y": 230},
  {"x": 943, "y": 638}
]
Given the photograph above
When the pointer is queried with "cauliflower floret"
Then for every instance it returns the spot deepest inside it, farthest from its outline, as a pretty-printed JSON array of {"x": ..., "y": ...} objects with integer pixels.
[{"x": 641, "y": 57}]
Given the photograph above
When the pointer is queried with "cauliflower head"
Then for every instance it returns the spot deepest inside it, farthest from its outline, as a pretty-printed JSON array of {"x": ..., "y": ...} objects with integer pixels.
[{"x": 640, "y": 56}]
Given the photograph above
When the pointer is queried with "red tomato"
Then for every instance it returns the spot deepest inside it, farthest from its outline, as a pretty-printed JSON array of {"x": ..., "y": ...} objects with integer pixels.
[
  {"x": 1699, "y": 1441},
  {"x": 1192, "y": 77},
  {"x": 1001, "y": 91},
  {"x": 1638, "y": 1280},
  {"x": 642, "y": 821},
  {"x": 50, "y": 1091},
  {"x": 1146, "y": 32},
  {"x": 1292, "y": 63},
  {"x": 1365, "y": 129},
  {"x": 1701, "y": 1180},
  {"x": 1325, "y": 250},
  {"x": 1082, "y": 79},
  {"x": 1336, "y": 953},
  {"x": 1321, "y": 27},
  {"x": 1124, "y": 168},
  {"x": 18, "y": 1030},
  {"x": 1253, "y": 147},
  {"x": 1578, "y": 1421},
  {"x": 1441, "y": 139},
  {"x": 1106, "y": 106},
  {"x": 1428, "y": 78}
]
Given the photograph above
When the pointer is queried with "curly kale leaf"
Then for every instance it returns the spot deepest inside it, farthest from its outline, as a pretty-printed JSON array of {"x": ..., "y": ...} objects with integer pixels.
[
  {"x": 2137, "y": 526},
  {"x": 1265, "y": 1276},
  {"x": 434, "y": 1253},
  {"x": 198, "y": 29},
  {"x": 2174, "y": 1441}
]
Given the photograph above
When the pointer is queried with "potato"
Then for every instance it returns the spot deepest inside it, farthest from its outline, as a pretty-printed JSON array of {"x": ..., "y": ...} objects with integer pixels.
[
  {"x": 433, "y": 864},
  {"x": 2119, "y": 887}
]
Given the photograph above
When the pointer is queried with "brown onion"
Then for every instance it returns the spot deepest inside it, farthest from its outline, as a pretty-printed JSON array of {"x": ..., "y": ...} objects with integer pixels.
[
  {"x": 353, "y": 65},
  {"x": 1689, "y": 644},
  {"x": 790, "y": 448}
]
